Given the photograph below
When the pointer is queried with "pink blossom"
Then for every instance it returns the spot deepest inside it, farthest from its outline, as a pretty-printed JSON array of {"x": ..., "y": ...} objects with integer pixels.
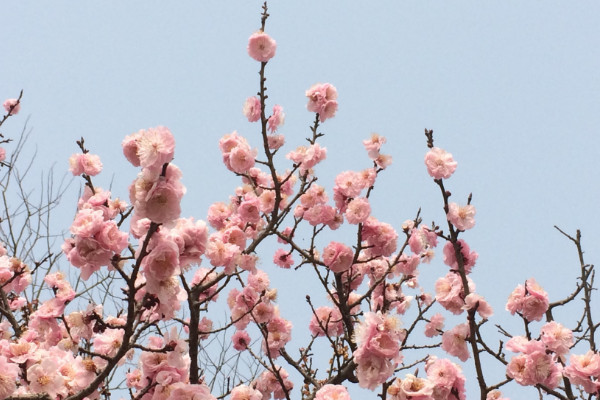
[
  {"x": 469, "y": 258},
  {"x": 155, "y": 147},
  {"x": 12, "y": 106},
  {"x": 275, "y": 141},
  {"x": 557, "y": 338},
  {"x": 529, "y": 300},
  {"x": 86, "y": 163},
  {"x": 358, "y": 210},
  {"x": 283, "y": 258},
  {"x": 584, "y": 370},
  {"x": 454, "y": 341},
  {"x": 380, "y": 237},
  {"x": 338, "y": 257},
  {"x": 322, "y": 100},
  {"x": 495, "y": 395},
  {"x": 241, "y": 159},
  {"x": 44, "y": 378},
  {"x": 411, "y": 388},
  {"x": 440, "y": 163},
  {"x": 475, "y": 301},
  {"x": 9, "y": 373},
  {"x": 326, "y": 321},
  {"x": 261, "y": 46},
  {"x": 249, "y": 209},
  {"x": 435, "y": 325},
  {"x": 186, "y": 391},
  {"x": 462, "y": 217},
  {"x": 162, "y": 262},
  {"x": 241, "y": 340},
  {"x": 447, "y": 378},
  {"x": 252, "y": 109},
  {"x": 244, "y": 392},
  {"x": 373, "y": 145},
  {"x": 277, "y": 119},
  {"x": 422, "y": 239},
  {"x": 449, "y": 292},
  {"x": 279, "y": 333},
  {"x": 307, "y": 157},
  {"x": 332, "y": 392},
  {"x": 2, "y": 154}
]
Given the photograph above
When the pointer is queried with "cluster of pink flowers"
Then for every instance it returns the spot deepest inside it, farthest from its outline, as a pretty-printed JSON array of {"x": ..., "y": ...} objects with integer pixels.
[
  {"x": 469, "y": 258},
  {"x": 534, "y": 365},
  {"x": 530, "y": 300},
  {"x": 96, "y": 236},
  {"x": 322, "y": 99},
  {"x": 85, "y": 163},
  {"x": 378, "y": 339},
  {"x": 307, "y": 157},
  {"x": 238, "y": 156},
  {"x": 444, "y": 381},
  {"x": 373, "y": 147}
]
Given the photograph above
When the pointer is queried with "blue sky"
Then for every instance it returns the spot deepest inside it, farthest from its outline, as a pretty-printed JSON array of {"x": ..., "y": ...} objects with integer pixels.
[{"x": 511, "y": 88}]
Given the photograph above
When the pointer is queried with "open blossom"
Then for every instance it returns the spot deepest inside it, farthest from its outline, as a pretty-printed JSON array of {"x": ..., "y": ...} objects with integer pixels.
[
  {"x": 261, "y": 46},
  {"x": 358, "y": 210},
  {"x": 454, "y": 341},
  {"x": 332, "y": 392},
  {"x": 85, "y": 163},
  {"x": 440, "y": 163},
  {"x": 338, "y": 257},
  {"x": 277, "y": 119},
  {"x": 322, "y": 99},
  {"x": 8, "y": 377},
  {"x": 326, "y": 321},
  {"x": 529, "y": 300},
  {"x": 462, "y": 217},
  {"x": 435, "y": 325},
  {"x": 410, "y": 388},
  {"x": 150, "y": 148},
  {"x": 584, "y": 370},
  {"x": 12, "y": 106},
  {"x": 252, "y": 109},
  {"x": 469, "y": 257},
  {"x": 244, "y": 392},
  {"x": 557, "y": 338},
  {"x": 373, "y": 145}
]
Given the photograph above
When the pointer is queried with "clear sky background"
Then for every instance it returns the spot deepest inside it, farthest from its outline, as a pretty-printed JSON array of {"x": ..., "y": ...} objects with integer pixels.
[{"x": 510, "y": 88}]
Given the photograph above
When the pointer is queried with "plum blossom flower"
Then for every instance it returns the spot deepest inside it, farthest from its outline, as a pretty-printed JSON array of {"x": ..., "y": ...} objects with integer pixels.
[
  {"x": 277, "y": 119},
  {"x": 440, "y": 163},
  {"x": 469, "y": 257},
  {"x": 252, "y": 109},
  {"x": 462, "y": 217},
  {"x": 332, "y": 392},
  {"x": 435, "y": 325},
  {"x": 241, "y": 340},
  {"x": 261, "y": 46},
  {"x": 454, "y": 341},
  {"x": 358, "y": 210},
  {"x": 244, "y": 392},
  {"x": 322, "y": 99},
  {"x": 530, "y": 300},
  {"x": 9, "y": 373},
  {"x": 411, "y": 387},
  {"x": 12, "y": 106},
  {"x": 86, "y": 163},
  {"x": 338, "y": 257}
]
